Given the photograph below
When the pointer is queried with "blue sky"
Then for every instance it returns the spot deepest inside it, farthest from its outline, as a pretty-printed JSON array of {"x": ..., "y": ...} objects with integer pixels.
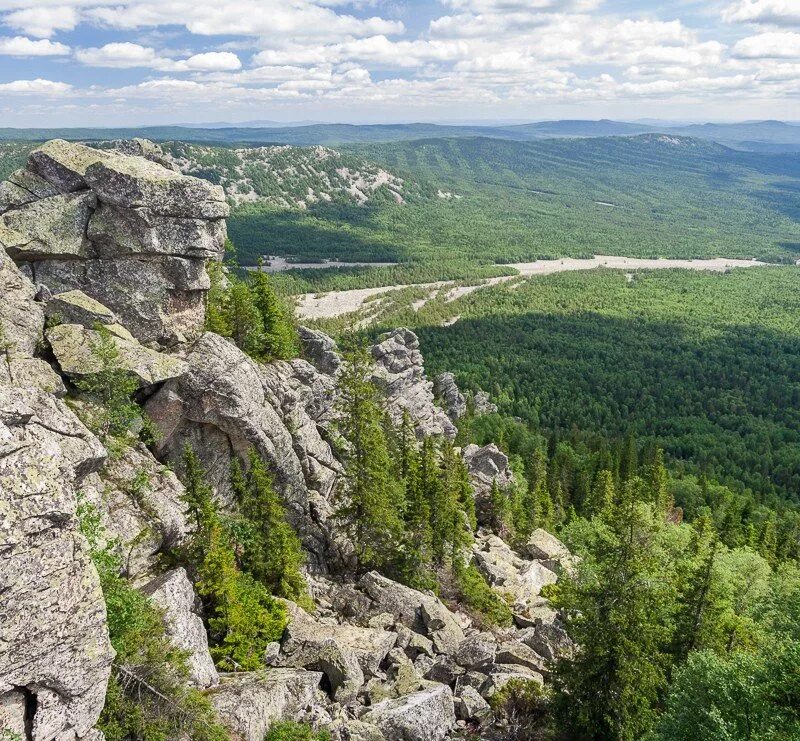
[{"x": 120, "y": 62}]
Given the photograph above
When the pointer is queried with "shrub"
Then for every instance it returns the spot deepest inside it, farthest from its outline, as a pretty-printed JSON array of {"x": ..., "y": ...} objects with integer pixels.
[
  {"x": 290, "y": 731},
  {"x": 478, "y": 595},
  {"x": 147, "y": 697}
]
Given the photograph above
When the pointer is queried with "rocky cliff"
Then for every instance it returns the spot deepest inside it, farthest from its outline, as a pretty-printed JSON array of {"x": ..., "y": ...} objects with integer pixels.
[{"x": 91, "y": 238}]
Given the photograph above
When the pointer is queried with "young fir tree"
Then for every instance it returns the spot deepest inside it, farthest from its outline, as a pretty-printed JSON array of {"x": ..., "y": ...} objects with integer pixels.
[
  {"x": 242, "y": 616},
  {"x": 217, "y": 303},
  {"x": 373, "y": 506},
  {"x": 456, "y": 493},
  {"x": 280, "y": 336},
  {"x": 247, "y": 327},
  {"x": 658, "y": 482},
  {"x": 271, "y": 551}
]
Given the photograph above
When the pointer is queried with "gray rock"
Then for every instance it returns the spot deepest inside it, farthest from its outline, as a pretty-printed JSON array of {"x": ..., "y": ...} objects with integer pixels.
[
  {"x": 21, "y": 318},
  {"x": 321, "y": 350},
  {"x": 141, "y": 505},
  {"x": 50, "y": 228},
  {"x": 422, "y": 613},
  {"x": 518, "y": 653},
  {"x": 482, "y": 404},
  {"x": 446, "y": 389},
  {"x": 250, "y": 702},
  {"x": 52, "y": 615},
  {"x": 74, "y": 347},
  {"x": 444, "y": 669},
  {"x": 134, "y": 182},
  {"x": 487, "y": 465},
  {"x": 542, "y": 546},
  {"x": 549, "y": 640},
  {"x": 470, "y": 705},
  {"x": 225, "y": 404},
  {"x": 355, "y": 730},
  {"x": 75, "y": 307},
  {"x": 508, "y": 572},
  {"x": 476, "y": 650},
  {"x": 400, "y": 374},
  {"x": 118, "y": 231},
  {"x": 12, "y": 713},
  {"x": 340, "y": 665},
  {"x": 427, "y": 715},
  {"x": 63, "y": 164},
  {"x": 499, "y": 679},
  {"x": 174, "y": 594}
]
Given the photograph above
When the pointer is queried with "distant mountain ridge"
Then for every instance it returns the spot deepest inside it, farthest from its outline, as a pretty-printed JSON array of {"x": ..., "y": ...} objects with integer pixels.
[{"x": 776, "y": 136}]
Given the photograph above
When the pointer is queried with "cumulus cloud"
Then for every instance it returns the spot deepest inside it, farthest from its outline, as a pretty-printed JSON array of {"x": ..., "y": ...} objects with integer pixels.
[
  {"x": 43, "y": 21},
  {"x": 21, "y": 46},
  {"x": 777, "y": 12},
  {"x": 774, "y": 45},
  {"x": 37, "y": 86},
  {"x": 127, "y": 55}
]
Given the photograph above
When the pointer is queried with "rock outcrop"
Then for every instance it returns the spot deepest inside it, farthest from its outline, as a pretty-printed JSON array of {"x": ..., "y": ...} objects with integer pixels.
[
  {"x": 55, "y": 656},
  {"x": 488, "y": 465},
  {"x": 446, "y": 389},
  {"x": 400, "y": 375},
  {"x": 124, "y": 230}
]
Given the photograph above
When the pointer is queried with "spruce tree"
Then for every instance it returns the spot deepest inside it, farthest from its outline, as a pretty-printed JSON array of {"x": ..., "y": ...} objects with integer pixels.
[
  {"x": 658, "y": 482},
  {"x": 247, "y": 328},
  {"x": 280, "y": 336},
  {"x": 372, "y": 507},
  {"x": 601, "y": 497},
  {"x": 272, "y": 554}
]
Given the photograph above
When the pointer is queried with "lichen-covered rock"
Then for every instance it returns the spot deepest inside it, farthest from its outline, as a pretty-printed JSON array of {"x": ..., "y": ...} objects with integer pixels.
[
  {"x": 53, "y": 636},
  {"x": 544, "y": 547},
  {"x": 400, "y": 375},
  {"x": 75, "y": 307},
  {"x": 470, "y": 705},
  {"x": 517, "y": 653},
  {"x": 138, "y": 231},
  {"x": 50, "y": 228},
  {"x": 427, "y": 715},
  {"x": 226, "y": 403},
  {"x": 321, "y": 350},
  {"x": 423, "y": 613},
  {"x": 507, "y": 571},
  {"x": 250, "y": 702},
  {"x": 173, "y": 593},
  {"x": 134, "y": 182},
  {"x": 124, "y": 230},
  {"x": 476, "y": 650},
  {"x": 21, "y": 317},
  {"x": 141, "y": 506},
  {"x": 75, "y": 349},
  {"x": 487, "y": 465},
  {"x": 446, "y": 389},
  {"x": 482, "y": 404}
]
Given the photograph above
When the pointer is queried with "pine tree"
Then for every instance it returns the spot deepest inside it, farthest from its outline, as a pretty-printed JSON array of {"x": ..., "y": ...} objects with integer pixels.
[
  {"x": 628, "y": 458},
  {"x": 373, "y": 505},
  {"x": 658, "y": 482},
  {"x": 456, "y": 491},
  {"x": 273, "y": 554},
  {"x": 280, "y": 336},
  {"x": 601, "y": 497},
  {"x": 217, "y": 302},
  {"x": 247, "y": 328}
]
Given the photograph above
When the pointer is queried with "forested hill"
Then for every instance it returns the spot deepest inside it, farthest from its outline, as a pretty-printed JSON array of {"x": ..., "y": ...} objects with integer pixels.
[{"x": 503, "y": 201}]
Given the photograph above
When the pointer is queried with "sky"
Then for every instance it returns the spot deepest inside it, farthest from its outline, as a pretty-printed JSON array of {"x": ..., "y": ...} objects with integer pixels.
[{"x": 124, "y": 62}]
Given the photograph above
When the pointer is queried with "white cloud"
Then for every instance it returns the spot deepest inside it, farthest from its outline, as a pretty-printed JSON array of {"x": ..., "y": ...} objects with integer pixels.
[
  {"x": 43, "y": 21},
  {"x": 122, "y": 55},
  {"x": 772, "y": 45},
  {"x": 126, "y": 55},
  {"x": 37, "y": 86},
  {"x": 777, "y": 12},
  {"x": 21, "y": 46}
]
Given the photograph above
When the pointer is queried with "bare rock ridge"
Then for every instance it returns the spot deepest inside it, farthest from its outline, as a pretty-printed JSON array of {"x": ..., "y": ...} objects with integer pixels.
[
  {"x": 121, "y": 241},
  {"x": 126, "y": 231}
]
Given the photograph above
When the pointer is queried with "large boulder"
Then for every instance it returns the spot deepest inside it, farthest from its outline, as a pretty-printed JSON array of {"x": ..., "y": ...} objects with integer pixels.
[
  {"x": 125, "y": 230},
  {"x": 427, "y": 715},
  {"x": 173, "y": 593},
  {"x": 76, "y": 350},
  {"x": 54, "y": 647},
  {"x": 250, "y": 702},
  {"x": 321, "y": 350},
  {"x": 423, "y": 613},
  {"x": 75, "y": 307},
  {"x": 550, "y": 551},
  {"x": 446, "y": 389},
  {"x": 141, "y": 506},
  {"x": 488, "y": 465},
  {"x": 400, "y": 374},
  {"x": 508, "y": 572}
]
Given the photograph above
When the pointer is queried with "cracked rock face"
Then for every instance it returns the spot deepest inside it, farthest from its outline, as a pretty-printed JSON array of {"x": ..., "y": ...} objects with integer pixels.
[
  {"x": 225, "y": 403},
  {"x": 400, "y": 375},
  {"x": 53, "y": 638},
  {"x": 125, "y": 230}
]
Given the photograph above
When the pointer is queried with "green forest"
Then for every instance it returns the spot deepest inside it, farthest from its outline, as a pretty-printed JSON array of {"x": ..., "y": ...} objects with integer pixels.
[{"x": 488, "y": 200}]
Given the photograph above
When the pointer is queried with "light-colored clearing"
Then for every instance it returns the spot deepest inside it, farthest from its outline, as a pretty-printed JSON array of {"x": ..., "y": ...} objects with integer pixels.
[
  {"x": 336, "y": 303},
  {"x": 279, "y": 264}
]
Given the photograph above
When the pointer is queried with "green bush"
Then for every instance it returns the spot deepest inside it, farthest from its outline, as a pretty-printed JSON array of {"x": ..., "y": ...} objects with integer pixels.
[
  {"x": 290, "y": 731},
  {"x": 479, "y": 596}
]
